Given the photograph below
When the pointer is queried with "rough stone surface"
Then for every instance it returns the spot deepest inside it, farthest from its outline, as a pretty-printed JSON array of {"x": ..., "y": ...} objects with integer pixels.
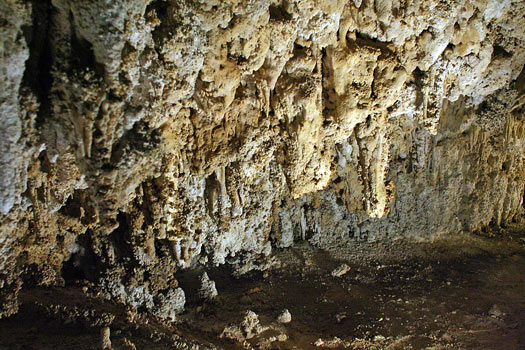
[
  {"x": 340, "y": 270},
  {"x": 285, "y": 317},
  {"x": 168, "y": 305},
  {"x": 207, "y": 290},
  {"x": 140, "y": 137},
  {"x": 247, "y": 329},
  {"x": 105, "y": 340}
]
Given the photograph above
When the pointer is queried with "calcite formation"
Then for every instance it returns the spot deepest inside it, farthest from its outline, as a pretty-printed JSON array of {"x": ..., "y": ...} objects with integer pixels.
[{"x": 141, "y": 137}]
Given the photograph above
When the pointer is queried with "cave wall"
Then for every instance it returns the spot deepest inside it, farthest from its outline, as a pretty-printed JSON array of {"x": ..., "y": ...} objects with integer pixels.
[{"x": 140, "y": 137}]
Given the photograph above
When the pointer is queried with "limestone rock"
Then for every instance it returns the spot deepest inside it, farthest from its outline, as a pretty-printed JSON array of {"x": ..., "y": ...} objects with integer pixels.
[
  {"x": 341, "y": 270},
  {"x": 105, "y": 340},
  {"x": 285, "y": 317},
  {"x": 139, "y": 137},
  {"x": 168, "y": 305},
  {"x": 247, "y": 329},
  {"x": 207, "y": 290}
]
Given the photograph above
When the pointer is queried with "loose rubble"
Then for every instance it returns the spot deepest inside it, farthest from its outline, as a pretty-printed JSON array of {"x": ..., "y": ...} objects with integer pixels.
[{"x": 247, "y": 329}]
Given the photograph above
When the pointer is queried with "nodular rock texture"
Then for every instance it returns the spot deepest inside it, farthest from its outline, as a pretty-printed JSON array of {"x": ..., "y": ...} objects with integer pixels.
[{"x": 141, "y": 137}]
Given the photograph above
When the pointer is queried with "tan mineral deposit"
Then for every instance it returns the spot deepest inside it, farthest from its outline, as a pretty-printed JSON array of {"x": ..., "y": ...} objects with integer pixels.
[{"x": 262, "y": 174}]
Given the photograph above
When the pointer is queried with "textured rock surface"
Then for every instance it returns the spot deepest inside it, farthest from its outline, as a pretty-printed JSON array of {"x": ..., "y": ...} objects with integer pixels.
[{"x": 140, "y": 137}]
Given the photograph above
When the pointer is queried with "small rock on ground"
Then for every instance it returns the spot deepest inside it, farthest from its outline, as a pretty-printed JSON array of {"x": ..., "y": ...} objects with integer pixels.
[
  {"x": 341, "y": 270},
  {"x": 285, "y": 317}
]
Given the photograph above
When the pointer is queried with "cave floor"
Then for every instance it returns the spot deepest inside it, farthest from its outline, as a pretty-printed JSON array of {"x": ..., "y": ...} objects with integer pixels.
[{"x": 462, "y": 293}]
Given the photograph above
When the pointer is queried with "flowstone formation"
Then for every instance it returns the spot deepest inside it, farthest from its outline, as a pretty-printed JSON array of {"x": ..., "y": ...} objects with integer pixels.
[{"x": 141, "y": 137}]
